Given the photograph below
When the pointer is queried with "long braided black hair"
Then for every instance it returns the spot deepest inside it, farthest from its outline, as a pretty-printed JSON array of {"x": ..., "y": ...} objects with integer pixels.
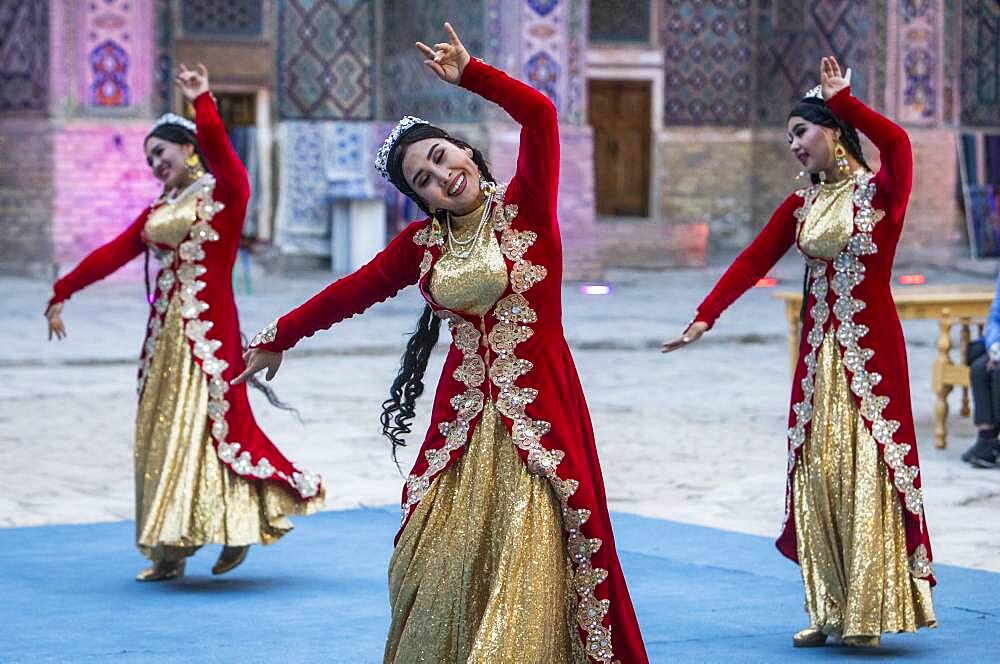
[
  {"x": 398, "y": 410},
  {"x": 181, "y": 135},
  {"x": 815, "y": 110}
]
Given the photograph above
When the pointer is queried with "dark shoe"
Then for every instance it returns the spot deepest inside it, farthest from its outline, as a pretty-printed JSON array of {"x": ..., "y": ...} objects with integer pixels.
[
  {"x": 230, "y": 558},
  {"x": 983, "y": 453}
]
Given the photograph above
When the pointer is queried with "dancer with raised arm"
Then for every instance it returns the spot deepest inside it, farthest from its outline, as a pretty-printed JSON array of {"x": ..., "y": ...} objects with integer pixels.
[
  {"x": 506, "y": 552},
  {"x": 854, "y": 516},
  {"x": 204, "y": 471}
]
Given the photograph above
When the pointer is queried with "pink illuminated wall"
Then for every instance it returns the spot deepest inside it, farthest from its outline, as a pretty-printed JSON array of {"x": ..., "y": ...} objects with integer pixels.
[
  {"x": 101, "y": 183},
  {"x": 102, "y": 59}
]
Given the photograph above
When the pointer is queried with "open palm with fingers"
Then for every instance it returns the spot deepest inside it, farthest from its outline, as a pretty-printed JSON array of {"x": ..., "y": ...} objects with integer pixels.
[
  {"x": 831, "y": 79},
  {"x": 447, "y": 59}
]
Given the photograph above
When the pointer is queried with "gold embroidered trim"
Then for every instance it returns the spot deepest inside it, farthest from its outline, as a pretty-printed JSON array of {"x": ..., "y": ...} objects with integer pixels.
[
  {"x": 921, "y": 566},
  {"x": 514, "y": 315},
  {"x": 803, "y": 410},
  {"x": 265, "y": 336},
  {"x": 191, "y": 254},
  {"x": 430, "y": 235},
  {"x": 850, "y": 272},
  {"x": 472, "y": 373},
  {"x": 164, "y": 283}
]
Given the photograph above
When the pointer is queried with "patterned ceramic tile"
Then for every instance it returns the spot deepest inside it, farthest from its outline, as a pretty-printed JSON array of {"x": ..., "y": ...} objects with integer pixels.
[
  {"x": 325, "y": 59},
  {"x": 24, "y": 56}
]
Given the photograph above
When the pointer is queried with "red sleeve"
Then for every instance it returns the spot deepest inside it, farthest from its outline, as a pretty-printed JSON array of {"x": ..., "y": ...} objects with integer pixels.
[
  {"x": 755, "y": 261},
  {"x": 393, "y": 269},
  {"x": 229, "y": 172},
  {"x": 537, "y": 175},
  {"x": 102, "y": 261},
  {"x": 891, "y": 140}
]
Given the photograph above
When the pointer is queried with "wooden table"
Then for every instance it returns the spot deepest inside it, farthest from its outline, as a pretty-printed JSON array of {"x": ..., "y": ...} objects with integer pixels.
[{"x": 950, "y": 305}]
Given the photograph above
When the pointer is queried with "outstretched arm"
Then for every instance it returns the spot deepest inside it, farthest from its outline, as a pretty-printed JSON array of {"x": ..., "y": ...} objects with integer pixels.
[
  {"x": 537, "y": 175},
  {"x": 755, "y": 261},
  {"x": 891, "y": 140},
  {"x": 98, "y": 264},
  {"x": 102, "y": 261},
  {"x": 392, "y": 269},
  {"x": 230, "y": 174}
]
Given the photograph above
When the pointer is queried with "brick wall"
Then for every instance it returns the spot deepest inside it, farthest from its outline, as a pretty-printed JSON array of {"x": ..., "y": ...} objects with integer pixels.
[
  {"x": 25, "y": 196},
  {"x": 101, "y": 183}
]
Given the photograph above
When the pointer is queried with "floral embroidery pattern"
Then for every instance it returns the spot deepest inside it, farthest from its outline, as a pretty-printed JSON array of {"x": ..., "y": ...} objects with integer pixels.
[
  {"x": 472, "y": 373},
  {"x": 164, "y": 283},
  {"x": 187, "y": 278},
  {"x": 920, "y": 563},
  {"x": 848, "y": 273},
  {"x": 820, "y": 313},
  {"x": 265, "y": 336},
  {"x": 514, "y": 316}
]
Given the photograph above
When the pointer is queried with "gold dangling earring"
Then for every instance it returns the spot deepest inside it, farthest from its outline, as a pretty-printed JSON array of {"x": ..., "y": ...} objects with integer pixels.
[
  {"x": 840, "y": 157},
  {"x": 194, "y": 167}
]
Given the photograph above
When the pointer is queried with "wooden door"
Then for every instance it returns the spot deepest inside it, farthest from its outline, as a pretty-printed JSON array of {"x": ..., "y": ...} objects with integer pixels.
[{"x": 619, "y": 113}]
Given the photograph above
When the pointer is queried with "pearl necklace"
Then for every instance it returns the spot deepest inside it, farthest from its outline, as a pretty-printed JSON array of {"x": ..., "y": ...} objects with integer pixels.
[{"x": 470, "y": 242}]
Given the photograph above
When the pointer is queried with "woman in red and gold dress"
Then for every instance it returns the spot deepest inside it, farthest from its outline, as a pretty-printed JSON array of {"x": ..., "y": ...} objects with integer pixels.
[
  {"x": 505, "y": 553},
  {"x": 204, "y": 471},
  {"x": 854, "y": 517}
]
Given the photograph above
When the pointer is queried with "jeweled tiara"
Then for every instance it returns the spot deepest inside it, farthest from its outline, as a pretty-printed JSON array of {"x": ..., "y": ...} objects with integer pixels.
[
  {"x": 382, "y": 157},
  {"x": 172, "y": 118}
]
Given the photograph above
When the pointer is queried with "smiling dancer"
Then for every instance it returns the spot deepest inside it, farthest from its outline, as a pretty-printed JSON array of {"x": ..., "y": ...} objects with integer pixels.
[
  {"x": 854, "y": 516},
  {"x": 204, "y": 471},
  {"x": 506, "y": 552}
]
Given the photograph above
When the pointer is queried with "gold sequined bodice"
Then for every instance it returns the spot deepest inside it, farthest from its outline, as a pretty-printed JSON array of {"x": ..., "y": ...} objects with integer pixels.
[
  {"x": 470, "y": 285},
  {"x": 830, "y": 221},
  {"x": 170, "y": 222}
]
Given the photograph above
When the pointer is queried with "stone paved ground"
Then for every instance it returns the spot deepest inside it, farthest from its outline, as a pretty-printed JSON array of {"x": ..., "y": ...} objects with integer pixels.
[{"x": 696, "y": 436}]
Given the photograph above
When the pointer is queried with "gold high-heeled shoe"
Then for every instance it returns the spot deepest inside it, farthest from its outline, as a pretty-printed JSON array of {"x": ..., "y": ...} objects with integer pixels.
[
  {"x": 230, "y": 558},
  {"x": 163, "y": 570},
  {"x": 863, "y": 641},
  {"x": 810, "y": 637}
]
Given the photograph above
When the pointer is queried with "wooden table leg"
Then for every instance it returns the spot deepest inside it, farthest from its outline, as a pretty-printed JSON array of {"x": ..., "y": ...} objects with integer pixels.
[
  {"x": 964, "y": 338},
  {"x": 941, "y": 390}
]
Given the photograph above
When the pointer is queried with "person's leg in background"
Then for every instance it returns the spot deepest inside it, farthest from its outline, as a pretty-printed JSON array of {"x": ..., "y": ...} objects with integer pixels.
[{"x": 985, "y": 379}]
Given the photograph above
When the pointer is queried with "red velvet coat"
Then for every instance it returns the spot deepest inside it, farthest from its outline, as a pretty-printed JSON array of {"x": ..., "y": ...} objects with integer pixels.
[
  {"x": 849, "y": 296},
  {"x": 516, "y": 354},
  {"x": 201, "y": 269}
]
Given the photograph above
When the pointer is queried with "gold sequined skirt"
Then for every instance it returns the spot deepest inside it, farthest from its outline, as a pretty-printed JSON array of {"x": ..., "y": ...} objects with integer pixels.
[
  {"x": 849, "y": 521},
  {"x": 480, "y": 573},
  {"x": 184, "y": 495}
]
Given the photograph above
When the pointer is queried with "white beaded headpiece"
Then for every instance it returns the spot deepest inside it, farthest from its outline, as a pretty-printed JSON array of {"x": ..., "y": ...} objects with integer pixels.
[
  {"x": 171, "y": 118},
  {"x": 382, "y": 157},
  {"x": 816, "y": 92}
]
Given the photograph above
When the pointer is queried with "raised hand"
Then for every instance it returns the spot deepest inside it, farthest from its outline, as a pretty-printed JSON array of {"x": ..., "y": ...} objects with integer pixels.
[
  {"x": 257, "y": 359},
  {"x": 831, "y": 79},
  {"x": 192, "y": 83},
  {"x": 691, "y": 334},
  {"x": 54, "y": 316},
  {"x": 446, "y": 60}
]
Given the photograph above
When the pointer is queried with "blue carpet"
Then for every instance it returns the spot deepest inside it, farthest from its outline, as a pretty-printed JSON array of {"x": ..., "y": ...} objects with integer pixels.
[{"x": 702, "y": 595}]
